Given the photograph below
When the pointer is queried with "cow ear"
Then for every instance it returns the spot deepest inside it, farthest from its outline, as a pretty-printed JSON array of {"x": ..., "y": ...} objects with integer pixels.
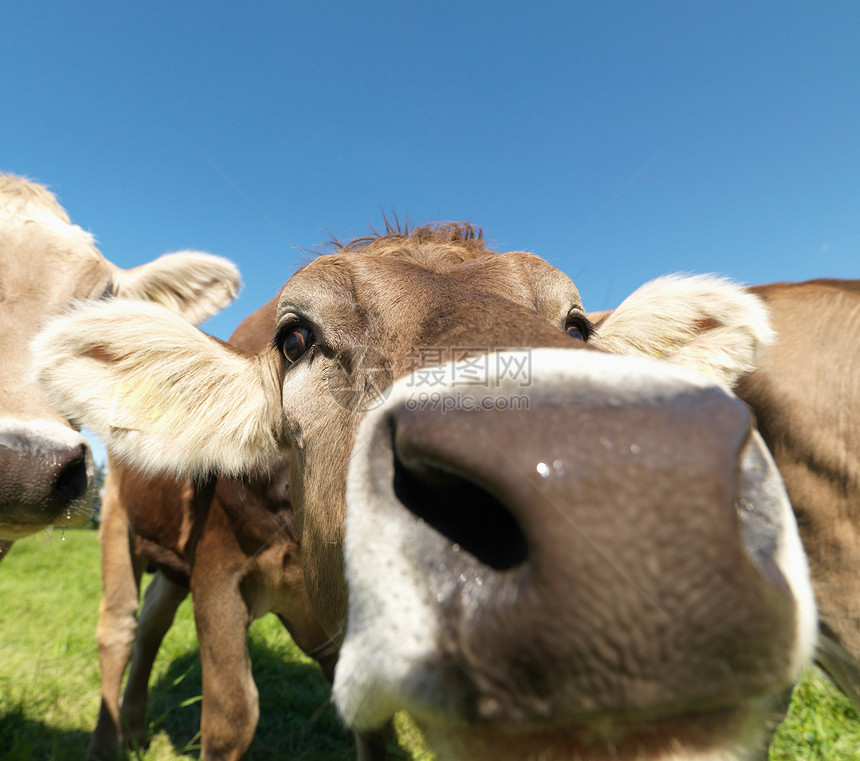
[
  {"x": 192, "y": 284},
  {"x": 165, "y": 397},
  {"x": 704, "y": 322}
]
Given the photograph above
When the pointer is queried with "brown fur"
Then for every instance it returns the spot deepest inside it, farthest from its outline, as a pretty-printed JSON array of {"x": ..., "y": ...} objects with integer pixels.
[
  {"x": 805, "y": 396},
  {"x": 461, "y": 236},
  {"x": 397, "y": 295}
]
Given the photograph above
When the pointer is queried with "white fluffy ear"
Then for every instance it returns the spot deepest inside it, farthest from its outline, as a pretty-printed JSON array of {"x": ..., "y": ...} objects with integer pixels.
[
  {"x": 192, "y": 284},
  {"x": 165, "y": 397},
  {"x": 701, "y": 321}
]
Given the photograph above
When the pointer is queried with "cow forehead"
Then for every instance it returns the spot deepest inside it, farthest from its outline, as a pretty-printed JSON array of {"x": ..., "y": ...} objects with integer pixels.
[
  {"x": 41, "y": 251},
  {"x": 30, "y": 211},
  {"x": 22, "y": 197},
  {"x": 45, "y": 263},
  {"x": 417, "y": 277},
  {"x": 47, "y": 258}
]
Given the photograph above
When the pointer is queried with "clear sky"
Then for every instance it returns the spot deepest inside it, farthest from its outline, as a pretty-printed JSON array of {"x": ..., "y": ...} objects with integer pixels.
[{"x": 623, "y": 140}]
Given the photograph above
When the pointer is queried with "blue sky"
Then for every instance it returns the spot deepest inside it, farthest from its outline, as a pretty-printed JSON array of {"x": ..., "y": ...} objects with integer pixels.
[{"x": 739, "y": 124}]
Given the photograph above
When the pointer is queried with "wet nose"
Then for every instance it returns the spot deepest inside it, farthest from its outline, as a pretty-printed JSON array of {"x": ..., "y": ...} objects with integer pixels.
[
  {"x": 42, "y": 477},
  {"x": 600, "y": 532},
  {"x": 612, "y": 547}
]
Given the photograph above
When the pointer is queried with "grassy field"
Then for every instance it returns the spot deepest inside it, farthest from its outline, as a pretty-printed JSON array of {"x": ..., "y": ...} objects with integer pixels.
[{"x": 49, "y": 678}]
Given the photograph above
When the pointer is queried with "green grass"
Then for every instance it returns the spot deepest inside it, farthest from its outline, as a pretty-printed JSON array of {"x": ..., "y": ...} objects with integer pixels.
[
  {"x": 49, "y": 679},
  {"x": 49, "y": 674}
]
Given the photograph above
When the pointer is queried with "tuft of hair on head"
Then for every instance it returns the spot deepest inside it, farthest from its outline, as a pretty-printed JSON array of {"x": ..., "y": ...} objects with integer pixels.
[
  {"x": 458, "y": 233},
  {"x": 21, "y": 196}
]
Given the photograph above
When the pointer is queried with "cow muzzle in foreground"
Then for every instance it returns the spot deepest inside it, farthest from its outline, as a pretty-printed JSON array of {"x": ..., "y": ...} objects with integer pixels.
[
  {"x": 47, "y": 469},
  {"x": 598, "y": 561}
]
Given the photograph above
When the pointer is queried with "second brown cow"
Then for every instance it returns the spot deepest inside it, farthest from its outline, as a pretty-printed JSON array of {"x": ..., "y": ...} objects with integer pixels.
[{"x": 234, "y": 545}]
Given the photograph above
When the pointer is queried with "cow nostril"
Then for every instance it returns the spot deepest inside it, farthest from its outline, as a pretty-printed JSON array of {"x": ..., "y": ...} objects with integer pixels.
[
  {"x": 462, "y": 512},
  {"x": 72, "y": 481}
]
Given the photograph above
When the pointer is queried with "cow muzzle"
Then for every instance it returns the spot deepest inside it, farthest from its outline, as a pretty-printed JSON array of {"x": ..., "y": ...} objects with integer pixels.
[
  {"x": 603, "y": 543},
  {"x": 46, "y": 472}
]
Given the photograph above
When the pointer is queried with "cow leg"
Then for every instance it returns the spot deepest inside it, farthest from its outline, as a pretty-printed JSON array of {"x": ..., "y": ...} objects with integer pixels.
[
  {"x": 121, "y": 572},
  {"x": 160, "y": 602},
  {"x": 307, "y": 634},
  {"x": 841, "y": 666},
  {"x": 779, "y": 706},
  {"x": 230, "y": 708},
  {"x": 373, "y": 746},
  {"x": 302, "y": 625}
]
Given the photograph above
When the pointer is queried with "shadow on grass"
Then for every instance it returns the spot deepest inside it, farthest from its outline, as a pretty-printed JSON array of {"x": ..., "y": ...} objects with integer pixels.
[
  {"x": 23, "y": 739},
  {"x": 297, "y": 720}
]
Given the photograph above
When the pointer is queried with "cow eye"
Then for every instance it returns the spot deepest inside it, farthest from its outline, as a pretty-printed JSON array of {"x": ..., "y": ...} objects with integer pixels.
[
  {"x": 295, "y": 342},
  {"x": 578, "y": 326}
]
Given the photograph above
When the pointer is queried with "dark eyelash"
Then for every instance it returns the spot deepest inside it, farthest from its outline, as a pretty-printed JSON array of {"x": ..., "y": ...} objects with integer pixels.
[
  {"x": 281, "y": 333},
  {"x": 586, "y": 326}
]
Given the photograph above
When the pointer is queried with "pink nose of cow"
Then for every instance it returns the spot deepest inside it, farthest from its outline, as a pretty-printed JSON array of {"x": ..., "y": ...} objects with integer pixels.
[
  {"x": 596, "y": 556},
  {"x": 42, "y": 478}
]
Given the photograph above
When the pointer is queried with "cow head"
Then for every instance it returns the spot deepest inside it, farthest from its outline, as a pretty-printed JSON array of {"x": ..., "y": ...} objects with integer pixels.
[
  {"x": 551, "y": 550},
  {"x": 46, "y": 264}
]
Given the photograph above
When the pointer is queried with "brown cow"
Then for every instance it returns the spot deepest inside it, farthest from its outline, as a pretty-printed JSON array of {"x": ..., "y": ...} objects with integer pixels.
[
  {"x": 607, "y": 567},
  {"x": 805, "y": 394},
  {"x": 816, "y": 446},
  {"x": 246, "y": 562},
  {"x": 46, "y": 264}
]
